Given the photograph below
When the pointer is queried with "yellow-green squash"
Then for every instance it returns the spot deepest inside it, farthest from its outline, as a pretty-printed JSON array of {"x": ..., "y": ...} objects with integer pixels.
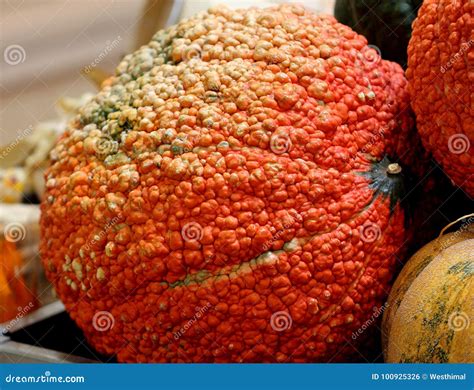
[{"x": 430, "y": 313}]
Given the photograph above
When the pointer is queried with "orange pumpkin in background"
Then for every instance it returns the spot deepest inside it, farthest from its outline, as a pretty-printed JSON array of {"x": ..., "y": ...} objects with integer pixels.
[
  {"x": 440, "y": 74},
  {"x": 16, "y": 299}
]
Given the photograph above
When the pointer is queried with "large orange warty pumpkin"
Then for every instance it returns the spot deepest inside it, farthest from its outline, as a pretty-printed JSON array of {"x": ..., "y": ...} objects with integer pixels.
[{"x": 232, "y": 193}]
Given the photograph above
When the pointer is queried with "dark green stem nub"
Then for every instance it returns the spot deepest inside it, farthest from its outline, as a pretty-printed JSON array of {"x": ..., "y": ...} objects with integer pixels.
[{"x": 386, "y": 179}]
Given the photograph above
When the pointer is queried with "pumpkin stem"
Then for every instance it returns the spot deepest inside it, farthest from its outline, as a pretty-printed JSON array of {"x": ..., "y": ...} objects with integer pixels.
[
  {"x": 387, "y": 180},
  {"x": 394, "y": 169},
  {"x": 454, "y": 222}
]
